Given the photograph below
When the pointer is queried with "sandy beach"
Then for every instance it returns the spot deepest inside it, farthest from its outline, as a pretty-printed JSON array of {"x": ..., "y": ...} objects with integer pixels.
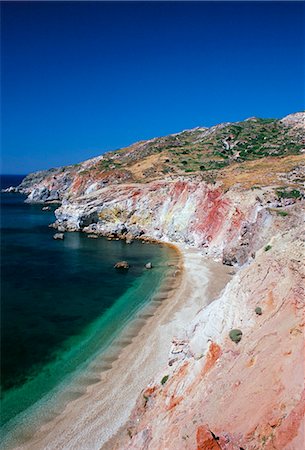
[{"x": 95, "y": 419}]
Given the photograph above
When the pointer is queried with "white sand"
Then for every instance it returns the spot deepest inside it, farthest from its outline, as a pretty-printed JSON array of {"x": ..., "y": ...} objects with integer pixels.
[{"x": 92, "y": 419}]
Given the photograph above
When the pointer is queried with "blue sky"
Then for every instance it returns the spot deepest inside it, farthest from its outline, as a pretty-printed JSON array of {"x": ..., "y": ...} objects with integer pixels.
[{"x": 82, "y": 78}]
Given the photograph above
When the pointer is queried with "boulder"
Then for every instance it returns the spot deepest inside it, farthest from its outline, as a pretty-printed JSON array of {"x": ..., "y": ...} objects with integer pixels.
[
  {"x": 92, "y": 236},
  {"x": 236, "y": 255},
  {"x": 59, "y": 236},
  {"x": 148, "y": 265},
  {"x": 122, "y": 265},
  {"x": 129, "y": 238},
  {"x": 46, "y": 208}
]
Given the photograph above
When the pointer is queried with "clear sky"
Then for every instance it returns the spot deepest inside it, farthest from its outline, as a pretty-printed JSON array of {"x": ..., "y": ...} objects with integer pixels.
[{"x": 82, "y": 78}]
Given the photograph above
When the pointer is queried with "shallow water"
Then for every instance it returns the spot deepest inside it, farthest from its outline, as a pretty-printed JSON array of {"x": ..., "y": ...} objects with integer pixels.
[{"x": 62, "y": 301}]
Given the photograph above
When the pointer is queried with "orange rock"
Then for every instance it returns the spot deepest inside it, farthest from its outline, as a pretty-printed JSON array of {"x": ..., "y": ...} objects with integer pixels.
[
  {"x": 270, "y": 301},
  {"x": 213, "y": 355},
  {"x": 205, "y": 440},
  {"x": 149, "y": 391},
  {"x": 174, "y": 401},
  {"x": 251, "y": 361}
]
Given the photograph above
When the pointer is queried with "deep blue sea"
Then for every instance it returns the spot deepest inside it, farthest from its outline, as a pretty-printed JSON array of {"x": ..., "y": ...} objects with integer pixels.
[{"x": 62, "y": 302}]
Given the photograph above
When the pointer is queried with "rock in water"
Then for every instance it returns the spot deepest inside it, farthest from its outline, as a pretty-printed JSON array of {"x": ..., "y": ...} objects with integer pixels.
[
  {"x": 129, "y": 238},
  {"x": 148, "y": 265},
  {"x": 92, "y": 236},
  {"x": 122, "y": 265},
  {"x": 59, "y": 236},
  {"x": 9, "y": 189},
  {"x": 46, "y": 208}
]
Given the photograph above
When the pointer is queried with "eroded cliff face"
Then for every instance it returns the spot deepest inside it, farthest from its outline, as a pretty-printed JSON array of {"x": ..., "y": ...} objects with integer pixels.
[
  {"x": 231, "y": 225},
  {"x": 218, "y": 394}
]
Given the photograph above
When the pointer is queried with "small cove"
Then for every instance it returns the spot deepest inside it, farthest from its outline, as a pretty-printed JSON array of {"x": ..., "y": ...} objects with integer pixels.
[{"x": 63, "y": 304}]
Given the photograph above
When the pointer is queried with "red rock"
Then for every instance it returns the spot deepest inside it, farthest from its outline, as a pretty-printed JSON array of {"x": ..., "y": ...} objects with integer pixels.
[{"x": 205, "y": 440}]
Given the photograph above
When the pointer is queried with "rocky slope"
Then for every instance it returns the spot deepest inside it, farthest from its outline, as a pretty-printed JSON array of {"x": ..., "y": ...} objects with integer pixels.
[
  {"x": 236, "y": 192},
  {"x": 218, "y": 394}
]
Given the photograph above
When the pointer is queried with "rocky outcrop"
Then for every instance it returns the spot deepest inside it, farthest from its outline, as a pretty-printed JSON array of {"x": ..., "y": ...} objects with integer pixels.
[
  {"x": 295, "y": 120},
  {"x": 10, "y": 190},
  {"x": 47, "y": 186}
]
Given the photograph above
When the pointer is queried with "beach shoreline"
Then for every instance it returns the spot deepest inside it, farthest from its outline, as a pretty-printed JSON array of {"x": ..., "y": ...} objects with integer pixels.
[{"x": 97, "y": 418}]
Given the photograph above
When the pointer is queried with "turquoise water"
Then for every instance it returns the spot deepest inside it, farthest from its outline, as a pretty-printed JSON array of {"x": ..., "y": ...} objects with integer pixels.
[{"x": 62, "y": 302}]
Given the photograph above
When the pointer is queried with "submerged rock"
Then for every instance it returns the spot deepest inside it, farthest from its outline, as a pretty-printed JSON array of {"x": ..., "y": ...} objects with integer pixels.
[
  {"x": 59, "y": 236},
  {"x": 122, "y": 265}
]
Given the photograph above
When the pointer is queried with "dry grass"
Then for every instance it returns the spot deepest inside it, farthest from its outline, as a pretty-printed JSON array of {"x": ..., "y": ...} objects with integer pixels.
[
  {"x": 262, "y": 172},
  {"x": 153, "y": 163}
]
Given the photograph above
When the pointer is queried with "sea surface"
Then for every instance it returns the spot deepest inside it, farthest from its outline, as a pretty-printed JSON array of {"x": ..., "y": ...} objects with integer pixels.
[{"x": 62, "y": 302}]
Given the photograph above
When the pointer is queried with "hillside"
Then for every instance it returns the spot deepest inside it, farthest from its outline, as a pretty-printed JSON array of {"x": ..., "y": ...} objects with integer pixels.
[{"x": 229, "y": 153}]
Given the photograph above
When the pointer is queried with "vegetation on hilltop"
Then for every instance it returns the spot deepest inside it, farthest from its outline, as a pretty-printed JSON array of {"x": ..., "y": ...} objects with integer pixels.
[
  {"x": 208, "y": 152},
  {"x": 225, "y": 152}
]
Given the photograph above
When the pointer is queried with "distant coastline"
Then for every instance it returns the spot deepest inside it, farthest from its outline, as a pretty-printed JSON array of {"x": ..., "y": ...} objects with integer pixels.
[{"x": 8, "y": 180}]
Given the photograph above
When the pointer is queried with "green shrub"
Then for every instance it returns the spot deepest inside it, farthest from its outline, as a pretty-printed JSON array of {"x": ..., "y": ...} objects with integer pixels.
[
  {"x": 268, "y": 247},
  {"x": 164, "y": 379},
  {"x": 258, "y": 311},
  {"x": 235, "y": 335},
  {"x": 294, "y": 193},
  {"x": 282, "y": 213},
  {"x": 145, "y": 400}
]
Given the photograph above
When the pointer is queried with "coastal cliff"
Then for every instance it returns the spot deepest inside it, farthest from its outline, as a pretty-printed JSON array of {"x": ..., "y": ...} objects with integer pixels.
[
  {"x": 234, "y": 192},
  {"x": 213, "y": 188}
]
